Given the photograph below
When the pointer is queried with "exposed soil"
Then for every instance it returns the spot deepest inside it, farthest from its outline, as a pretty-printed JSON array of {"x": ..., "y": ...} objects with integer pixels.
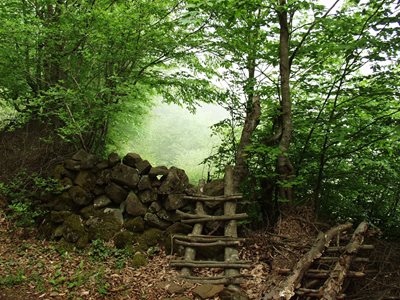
[{"x": 35, "y": 269}]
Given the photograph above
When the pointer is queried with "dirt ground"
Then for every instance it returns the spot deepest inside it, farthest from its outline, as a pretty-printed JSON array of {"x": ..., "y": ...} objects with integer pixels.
[{"x": 31, "y": 268}]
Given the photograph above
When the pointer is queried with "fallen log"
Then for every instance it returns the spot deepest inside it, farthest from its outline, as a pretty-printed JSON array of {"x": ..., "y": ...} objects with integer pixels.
[
  {"x": 287, "y": 288},
  {"x": 333, "y": 285}
]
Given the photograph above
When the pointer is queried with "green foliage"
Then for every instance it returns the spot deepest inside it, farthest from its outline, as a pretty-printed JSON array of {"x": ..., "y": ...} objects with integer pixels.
[
  {"x": 22, "y": 194},
  {"x": 13, "y": 279}
]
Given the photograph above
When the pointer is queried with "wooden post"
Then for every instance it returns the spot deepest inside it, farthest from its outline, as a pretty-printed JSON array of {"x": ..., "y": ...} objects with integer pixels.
[
  {"x": 231, "y": 254},
  {"x": 190, "y": 252}
]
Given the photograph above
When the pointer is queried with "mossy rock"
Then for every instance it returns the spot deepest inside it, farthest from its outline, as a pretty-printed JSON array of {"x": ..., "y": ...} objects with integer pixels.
[
  {"x": 135, "y": 224},
  {"x": 124, "y": 239},
  {"x": 74, "y": 231},
  {"x": 151, "y": 237},
  {"x": 139, "y": 260},
  {"x": 90, "y": 211},
  {"x": 58, "y": 217},
  {"x": 103, "y": 227}
]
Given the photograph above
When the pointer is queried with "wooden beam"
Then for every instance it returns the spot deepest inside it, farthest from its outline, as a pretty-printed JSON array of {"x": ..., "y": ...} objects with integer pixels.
[{"x": 207, "y": 218}]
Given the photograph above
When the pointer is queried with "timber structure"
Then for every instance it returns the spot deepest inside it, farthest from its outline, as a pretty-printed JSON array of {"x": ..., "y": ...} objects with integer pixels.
[
  {"x": 229, "y": 241},
  {"x": 324, "y": 271}
]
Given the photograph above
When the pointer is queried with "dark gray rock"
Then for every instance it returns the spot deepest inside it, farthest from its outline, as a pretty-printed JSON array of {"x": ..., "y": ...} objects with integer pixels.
[
  {"x": 80, "y": 196},
  {"x": 115, "y": 215},
  {"x": 74, "y": 231},
  {"x": 148, "y": 196},
  {"x": 214, "y": 188},
  {"x": 113, "y": 159},
  {"x": 101, "y": 201},
  {"x": 153, "y": 221},
  {"x": 158, "y": 171},
  {"x": 135, "y": 224},
  {"x": 143, "y": 167},
  {"x": 174, "y": 202},
  {"x": 86, "y": 160},
  {"x": 144, "y": 183},
  {"x": 133, "y": 205},
  {"x": 175, "y": 182},
  {"x": 102, "y": 165},
  {"x": 58, "y": 217},
  {"x": 123, "y": 239},
  {"x": 116, "y": 193},
  {"x": 155, "y": 207},
  {"x": 86, "y": 180},
  {"x": 125, "y": 175},
  {"x": 131, "y": 159}
]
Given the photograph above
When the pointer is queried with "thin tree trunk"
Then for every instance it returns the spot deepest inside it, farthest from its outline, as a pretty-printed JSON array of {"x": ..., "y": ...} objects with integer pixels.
[
  {"x": 284, "y": 166},
  {"x": 253, "y": 113}
]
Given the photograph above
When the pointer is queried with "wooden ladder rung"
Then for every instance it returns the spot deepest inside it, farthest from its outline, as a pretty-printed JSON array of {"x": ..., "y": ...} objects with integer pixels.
[
  {"x": 207, "y": 244},
  {"x": 207, "y": 218},
  {"x": 210, "y": 198},
  {"x": 210, "y": 264},
  {"x": 343, "y": 248},
  {"x": 214, "y": 279},
  {"x": 206, "y": 238}
]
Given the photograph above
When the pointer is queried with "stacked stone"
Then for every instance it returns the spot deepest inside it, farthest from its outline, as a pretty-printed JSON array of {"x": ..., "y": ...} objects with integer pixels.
[{"x": 101, "y": 199}]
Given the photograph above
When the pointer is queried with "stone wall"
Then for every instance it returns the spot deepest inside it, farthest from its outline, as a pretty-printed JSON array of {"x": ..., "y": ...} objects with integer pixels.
[{"x": 126, "y": 200}]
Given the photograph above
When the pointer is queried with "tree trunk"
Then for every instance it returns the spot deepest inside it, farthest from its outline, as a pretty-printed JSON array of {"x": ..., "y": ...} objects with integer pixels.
[
  {"x": 253, "y": 113},
  {"x": 284, "y": 166}
]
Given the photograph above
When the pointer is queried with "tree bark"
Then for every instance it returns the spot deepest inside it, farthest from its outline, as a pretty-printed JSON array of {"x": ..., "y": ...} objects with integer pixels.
[
  {"x": 284, "y": 166},
  {"x": 287, "y": 288}
]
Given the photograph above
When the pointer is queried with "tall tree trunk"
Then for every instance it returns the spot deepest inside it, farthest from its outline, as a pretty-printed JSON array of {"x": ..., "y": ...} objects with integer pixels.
[
  {"x": 284, "y": 166},
  {"x": 253, "y": 113}
]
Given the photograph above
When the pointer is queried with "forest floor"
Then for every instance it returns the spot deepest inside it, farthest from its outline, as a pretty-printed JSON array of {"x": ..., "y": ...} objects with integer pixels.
[{"x": 36, "y": 269}]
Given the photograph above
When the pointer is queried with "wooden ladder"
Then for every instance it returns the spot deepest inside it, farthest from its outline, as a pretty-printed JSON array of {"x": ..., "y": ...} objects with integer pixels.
[{"x": 229, "y": 240}]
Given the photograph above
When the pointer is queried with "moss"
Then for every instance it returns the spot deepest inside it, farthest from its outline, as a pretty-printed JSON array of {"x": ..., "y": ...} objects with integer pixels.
[
  {"x": 151, "y": 237},
  {"x": 135, "y": 224},
  {"x": 59, "y": 217},
  {"x": 123, "y": 239},
  {"x": 74, "y": 231},
  {"x": 139, "y": 260}
]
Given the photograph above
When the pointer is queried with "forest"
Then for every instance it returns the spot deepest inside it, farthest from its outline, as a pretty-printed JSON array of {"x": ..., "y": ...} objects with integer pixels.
[{"x": 127, "y": 105}]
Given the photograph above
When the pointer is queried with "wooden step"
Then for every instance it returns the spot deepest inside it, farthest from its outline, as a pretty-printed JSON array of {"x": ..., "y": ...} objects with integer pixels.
[
  {"x": 215, "y": 279},
  {"x": 206, "y": 238},
  {"x": 210, "y": 198},
  {"x": 343, "y": 248},
  {"x": 210, "y": 264},
  {"x": 335, "y": 259},
  {"x": 207, "y": 244},
  {"x": 191, "y": 219}
]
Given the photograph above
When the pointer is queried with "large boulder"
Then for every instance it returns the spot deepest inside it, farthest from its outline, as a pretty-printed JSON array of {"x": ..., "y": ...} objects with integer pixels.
[
  {"x": 125, "y": 175},
  {"x": 133, "y": 205},
  {"x": 80, "y": 196},
  {"x": 175, "y": 182},
  {"x": 116, "y": 193}
]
